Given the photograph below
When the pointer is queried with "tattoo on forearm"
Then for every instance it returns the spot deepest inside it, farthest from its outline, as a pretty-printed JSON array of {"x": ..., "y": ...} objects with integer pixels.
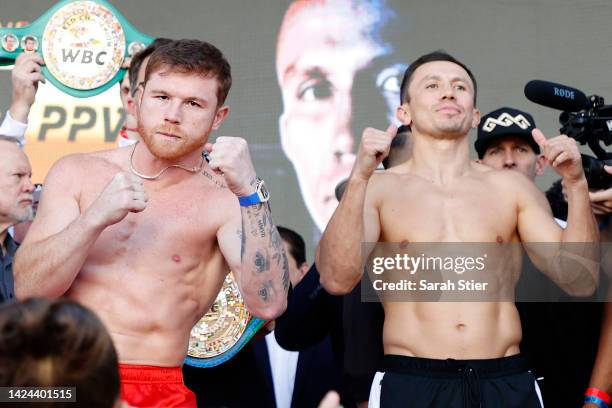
[
  {"x": 262, "y": 227},
  {"x": 262, "y": 262},
  {"x": 278, "y": 251},
  {"x": 255, "y": 214},
  {"x": 266, "y": 291}
]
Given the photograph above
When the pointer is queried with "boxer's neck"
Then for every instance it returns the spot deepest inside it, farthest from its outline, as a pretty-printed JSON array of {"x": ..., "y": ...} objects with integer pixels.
[
  {"x": 160, "y": 166},
  {"x": 440, "y": 160}
]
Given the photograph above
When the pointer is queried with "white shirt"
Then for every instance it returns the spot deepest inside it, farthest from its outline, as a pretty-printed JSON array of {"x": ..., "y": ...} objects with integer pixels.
[
  {"x": 283, "y": 365},
  {"x": 11, "y": 127}
]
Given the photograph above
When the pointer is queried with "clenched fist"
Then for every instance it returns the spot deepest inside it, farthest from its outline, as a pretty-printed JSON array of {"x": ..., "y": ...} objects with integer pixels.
[
  {"x": 25, "y": 77},
  {"x": 374, "y": 147},
  {"x": 125, "y": 193},
  {"x": 230, "y": 157}
]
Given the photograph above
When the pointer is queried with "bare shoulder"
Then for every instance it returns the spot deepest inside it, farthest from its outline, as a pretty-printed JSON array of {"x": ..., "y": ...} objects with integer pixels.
[
  {"x": 477, "y": 167},
  {"x": 510, "y": 180},
  {"x": 82, "y": 161},
  {"x": 395, "y": 177},
  {"x": 70, "y": 172},
  {"x": 116, "y": 157},
  {"x": 383, "y": 180},
  {"x": 516, "y": 186},
  {"x": 392, "y": 181}
]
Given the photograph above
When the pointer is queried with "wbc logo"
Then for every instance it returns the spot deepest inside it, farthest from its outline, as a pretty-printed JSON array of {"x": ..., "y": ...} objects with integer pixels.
[
  {"x": 506, "y": 120},
  {"x": 84, "y": 45}
]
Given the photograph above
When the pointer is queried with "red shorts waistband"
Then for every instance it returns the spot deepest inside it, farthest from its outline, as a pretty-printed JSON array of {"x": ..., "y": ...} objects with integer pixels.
[{"x": 136, "y": 374}]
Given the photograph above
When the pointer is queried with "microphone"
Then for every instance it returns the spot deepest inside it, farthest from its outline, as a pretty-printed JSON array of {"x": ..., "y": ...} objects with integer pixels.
[{"x": 556, "y": 96}]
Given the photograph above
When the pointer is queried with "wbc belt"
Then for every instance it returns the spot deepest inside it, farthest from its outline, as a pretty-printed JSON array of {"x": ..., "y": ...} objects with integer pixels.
[
  {"x": 83, "y": 42},
  {"x": 223, "y": 330}
]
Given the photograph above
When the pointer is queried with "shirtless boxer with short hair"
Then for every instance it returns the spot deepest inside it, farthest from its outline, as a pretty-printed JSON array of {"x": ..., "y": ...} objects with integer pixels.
[
  {"x": 439, "y": 195},
  {"x": 147, "y": 245}
]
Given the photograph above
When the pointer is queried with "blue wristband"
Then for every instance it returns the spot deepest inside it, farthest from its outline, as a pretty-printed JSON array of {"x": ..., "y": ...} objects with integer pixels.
[
  {"x": 249, "y": 200},
  {"x": 591, "y": 399},
  {"x": 261, "y": 195}
]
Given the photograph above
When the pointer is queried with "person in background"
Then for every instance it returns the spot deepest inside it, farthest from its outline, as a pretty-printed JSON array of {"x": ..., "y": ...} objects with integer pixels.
[
  {"x": 16, "y": 199},
  {"x": 58, "y": 343}
]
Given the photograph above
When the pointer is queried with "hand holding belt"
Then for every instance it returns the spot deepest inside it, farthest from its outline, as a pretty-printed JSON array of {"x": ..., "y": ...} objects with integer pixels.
[{"x": 83, "y": 43}]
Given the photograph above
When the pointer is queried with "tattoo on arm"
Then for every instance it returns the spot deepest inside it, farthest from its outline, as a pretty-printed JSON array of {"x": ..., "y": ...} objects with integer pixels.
[
  {"x": 261, "y": 226},
  {"x": 278, "y": 253},
  {"x": 262, "y": 262},
  {"x": 254, "y": 212},
  {"x": 265, "y": 291}
]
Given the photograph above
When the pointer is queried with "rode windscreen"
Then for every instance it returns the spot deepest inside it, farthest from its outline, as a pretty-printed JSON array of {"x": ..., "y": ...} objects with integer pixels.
[{"x": 556, "y": 96}]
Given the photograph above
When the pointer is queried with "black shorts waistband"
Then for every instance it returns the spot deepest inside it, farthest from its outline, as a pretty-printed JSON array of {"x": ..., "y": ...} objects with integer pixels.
[{"x": 450, "y": 368}]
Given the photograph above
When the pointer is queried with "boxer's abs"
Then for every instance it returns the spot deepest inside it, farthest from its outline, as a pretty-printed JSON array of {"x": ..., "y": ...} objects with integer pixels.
[
  {"x": 468, "y": 330},
  {"x": 149, "y": 312}
]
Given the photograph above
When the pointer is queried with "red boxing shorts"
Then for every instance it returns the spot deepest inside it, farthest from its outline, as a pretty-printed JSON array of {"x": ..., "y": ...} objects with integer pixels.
[{"x": 155, "y": 387}]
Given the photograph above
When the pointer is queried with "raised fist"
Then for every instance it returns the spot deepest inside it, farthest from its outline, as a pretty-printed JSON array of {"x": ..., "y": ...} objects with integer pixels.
[
  {"x": 374, "y": 147},
  {"x": 125, "y": 193},
  {"x": 230, "y": 157},
  {"x": 25, "y": 77}
]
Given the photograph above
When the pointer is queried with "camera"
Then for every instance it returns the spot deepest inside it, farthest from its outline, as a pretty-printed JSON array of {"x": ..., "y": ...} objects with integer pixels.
[
  {"x": 587, "y": 120},
  {"x": 592, "y": 127}
]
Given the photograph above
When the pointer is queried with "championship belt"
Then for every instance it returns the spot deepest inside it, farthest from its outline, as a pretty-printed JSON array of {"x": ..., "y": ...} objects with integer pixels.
[
  {"x": 83, "y": 42},
  {"x": 223, "y": 330}
]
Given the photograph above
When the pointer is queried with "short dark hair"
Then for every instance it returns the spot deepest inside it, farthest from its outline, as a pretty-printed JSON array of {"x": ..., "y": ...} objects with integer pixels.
[
  {"x": 193, "y": 56},
  {"x": 439, "y": 55},
  {"x": 58, "y": 343},
  {"x": 297, "y": 247},
  {"x": 139, "y": 58}
]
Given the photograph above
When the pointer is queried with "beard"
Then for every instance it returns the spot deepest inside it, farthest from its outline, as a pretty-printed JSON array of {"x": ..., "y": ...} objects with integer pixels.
[
  {"x": 167, "y": 149},
  {"x": 26, "y": 214}
]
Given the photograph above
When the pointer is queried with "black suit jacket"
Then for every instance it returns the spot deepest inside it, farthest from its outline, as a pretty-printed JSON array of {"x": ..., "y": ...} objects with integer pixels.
[
  {"x": 246, "y": 379},
  {"x": 315, "y": 373},
  {"x": 355, "y": 328}
]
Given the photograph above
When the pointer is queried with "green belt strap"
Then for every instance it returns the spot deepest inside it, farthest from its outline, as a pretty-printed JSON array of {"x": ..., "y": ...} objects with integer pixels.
[{"x": 83, "y": 42}]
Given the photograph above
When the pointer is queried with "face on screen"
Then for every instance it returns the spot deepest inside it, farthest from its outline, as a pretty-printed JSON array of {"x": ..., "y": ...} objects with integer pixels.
[{"x": 333, "y": 72}]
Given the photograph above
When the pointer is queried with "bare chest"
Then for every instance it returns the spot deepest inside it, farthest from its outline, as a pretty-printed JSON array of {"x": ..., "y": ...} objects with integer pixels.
[
  {"x": 468, "y": 213},
  {"x": 180, "y": 222}
]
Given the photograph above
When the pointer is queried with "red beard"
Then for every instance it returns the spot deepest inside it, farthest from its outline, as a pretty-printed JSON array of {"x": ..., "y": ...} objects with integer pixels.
[{"x": 168, "y": 149}]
